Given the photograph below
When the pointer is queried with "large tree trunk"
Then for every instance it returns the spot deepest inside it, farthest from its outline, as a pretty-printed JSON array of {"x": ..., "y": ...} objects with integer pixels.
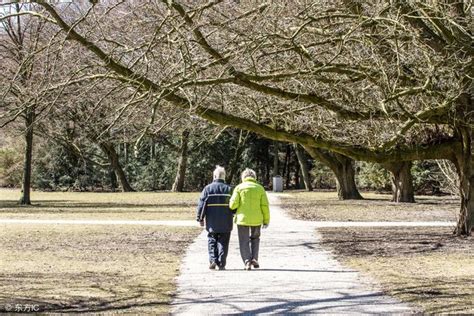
[
  {"x": 113, "y": 157},
  {"x": 303, "y": 167},
  {"x": 465, "y": 167},
  {"x": 26, "y": 185},
  {"x": 402, "y": 181},
  {"x": 345, "y": 175},
  {"x": 178, "y": 184},
  {"x": 343, "y": 168}
]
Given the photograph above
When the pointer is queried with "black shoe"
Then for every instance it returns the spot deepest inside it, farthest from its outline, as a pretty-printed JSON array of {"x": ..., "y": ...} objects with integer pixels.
[
  {"x": 220, "y": 268},
  {"x": 248, "y": 266},
  {"x": 213, "y": 265},
  {"x": 255, "y": 263}
]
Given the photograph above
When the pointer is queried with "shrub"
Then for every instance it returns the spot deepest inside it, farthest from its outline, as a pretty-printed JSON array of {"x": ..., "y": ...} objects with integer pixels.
[
  {"x": 372, "y": 176},
  {"x": 11, "y": 167}
]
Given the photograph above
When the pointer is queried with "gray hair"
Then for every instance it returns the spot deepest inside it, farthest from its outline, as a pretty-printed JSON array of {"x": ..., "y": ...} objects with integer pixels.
[
  {"x": 219, "y": 173},
  {"x": 248, "y": 173}
]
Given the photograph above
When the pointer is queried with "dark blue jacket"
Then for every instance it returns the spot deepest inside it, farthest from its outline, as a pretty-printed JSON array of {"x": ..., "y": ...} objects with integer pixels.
[{"x": 214, "y": 207}]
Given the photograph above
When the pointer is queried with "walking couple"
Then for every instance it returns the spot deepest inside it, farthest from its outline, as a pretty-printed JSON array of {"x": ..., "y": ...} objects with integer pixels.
[{"x": 220, "y": 206}]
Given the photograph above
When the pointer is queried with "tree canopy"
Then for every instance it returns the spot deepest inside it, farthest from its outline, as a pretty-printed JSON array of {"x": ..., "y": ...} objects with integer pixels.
[{"x": 384, "y": 82}]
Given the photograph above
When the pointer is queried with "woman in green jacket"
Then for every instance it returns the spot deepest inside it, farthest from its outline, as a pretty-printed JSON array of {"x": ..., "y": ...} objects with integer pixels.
[{"x": 250, "y": 201}]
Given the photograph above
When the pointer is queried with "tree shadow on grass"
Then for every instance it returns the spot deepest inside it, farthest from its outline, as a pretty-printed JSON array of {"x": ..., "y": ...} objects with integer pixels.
[
  {"x": 439, "y": 295},
  {"x": 111, "y": 297},
  {"x": 393, "y": 241},
  {"x": 84, "y": 304}
]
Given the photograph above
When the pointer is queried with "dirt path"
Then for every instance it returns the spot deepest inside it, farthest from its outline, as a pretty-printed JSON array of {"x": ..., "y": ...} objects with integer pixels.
[{"x": 296, "y": 276}]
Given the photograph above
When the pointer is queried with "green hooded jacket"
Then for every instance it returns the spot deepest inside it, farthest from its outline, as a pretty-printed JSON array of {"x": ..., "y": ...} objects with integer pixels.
[{"x": 250, "y": 200}]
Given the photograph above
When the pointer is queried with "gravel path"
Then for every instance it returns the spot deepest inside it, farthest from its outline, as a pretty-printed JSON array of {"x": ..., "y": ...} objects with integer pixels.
[{"x": 296, "y": 276}]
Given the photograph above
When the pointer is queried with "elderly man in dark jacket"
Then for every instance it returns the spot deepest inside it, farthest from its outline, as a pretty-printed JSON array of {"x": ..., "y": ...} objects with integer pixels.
[{"x": 213, "y": 209}]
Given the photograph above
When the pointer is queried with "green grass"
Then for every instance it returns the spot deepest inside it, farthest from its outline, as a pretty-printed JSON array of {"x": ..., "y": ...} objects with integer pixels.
[
  {"x": 86, "y": 205},
  {"x": 325, "y": 206}
]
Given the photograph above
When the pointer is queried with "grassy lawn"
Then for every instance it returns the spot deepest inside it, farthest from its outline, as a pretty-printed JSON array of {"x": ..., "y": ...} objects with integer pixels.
[
  {"x": 427, "y": 267},
  {"x": 325, "y": 206},
  {"x": 63, "y": 268},
  {"x": 97, "y": 268},
  {"x": 86, "y": 205}
]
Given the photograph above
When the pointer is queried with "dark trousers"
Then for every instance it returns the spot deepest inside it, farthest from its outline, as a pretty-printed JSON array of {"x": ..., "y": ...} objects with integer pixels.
[
  {"x": 249, "y": 242},
  {"x": 218, "y": 247}
]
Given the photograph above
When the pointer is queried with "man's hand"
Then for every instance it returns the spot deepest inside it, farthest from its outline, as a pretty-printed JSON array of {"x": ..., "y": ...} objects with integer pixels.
[
  {"x": 201, "y": 223},
  {"x": 265, "y": 226}
]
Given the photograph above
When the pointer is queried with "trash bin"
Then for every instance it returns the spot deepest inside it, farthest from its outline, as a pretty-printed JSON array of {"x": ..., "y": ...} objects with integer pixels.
[{"x": 277, "y": 184}]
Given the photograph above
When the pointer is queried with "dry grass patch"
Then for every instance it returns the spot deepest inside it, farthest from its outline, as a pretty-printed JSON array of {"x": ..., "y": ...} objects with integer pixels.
[
  {"x": 325, "y": 206},
  {"x": 87, "y": 205},
  {"x": 427, "y": 267},
  {"x": 71, "y": 268}
]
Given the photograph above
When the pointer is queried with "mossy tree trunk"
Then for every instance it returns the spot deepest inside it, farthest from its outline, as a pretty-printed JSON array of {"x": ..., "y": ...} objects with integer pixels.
[
  {"x": 402, "y": 181},
  {"x": 343, "y": 168},
  {"x": 465, "y": 167}
]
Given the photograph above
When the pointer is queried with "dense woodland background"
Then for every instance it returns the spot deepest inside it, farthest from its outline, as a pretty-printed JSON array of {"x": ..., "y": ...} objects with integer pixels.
[{"x": 154, "y": 166}]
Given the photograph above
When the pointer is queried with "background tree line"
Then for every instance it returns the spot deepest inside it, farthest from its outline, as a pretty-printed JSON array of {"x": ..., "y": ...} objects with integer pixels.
[{"x": 154, "y": 166}]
